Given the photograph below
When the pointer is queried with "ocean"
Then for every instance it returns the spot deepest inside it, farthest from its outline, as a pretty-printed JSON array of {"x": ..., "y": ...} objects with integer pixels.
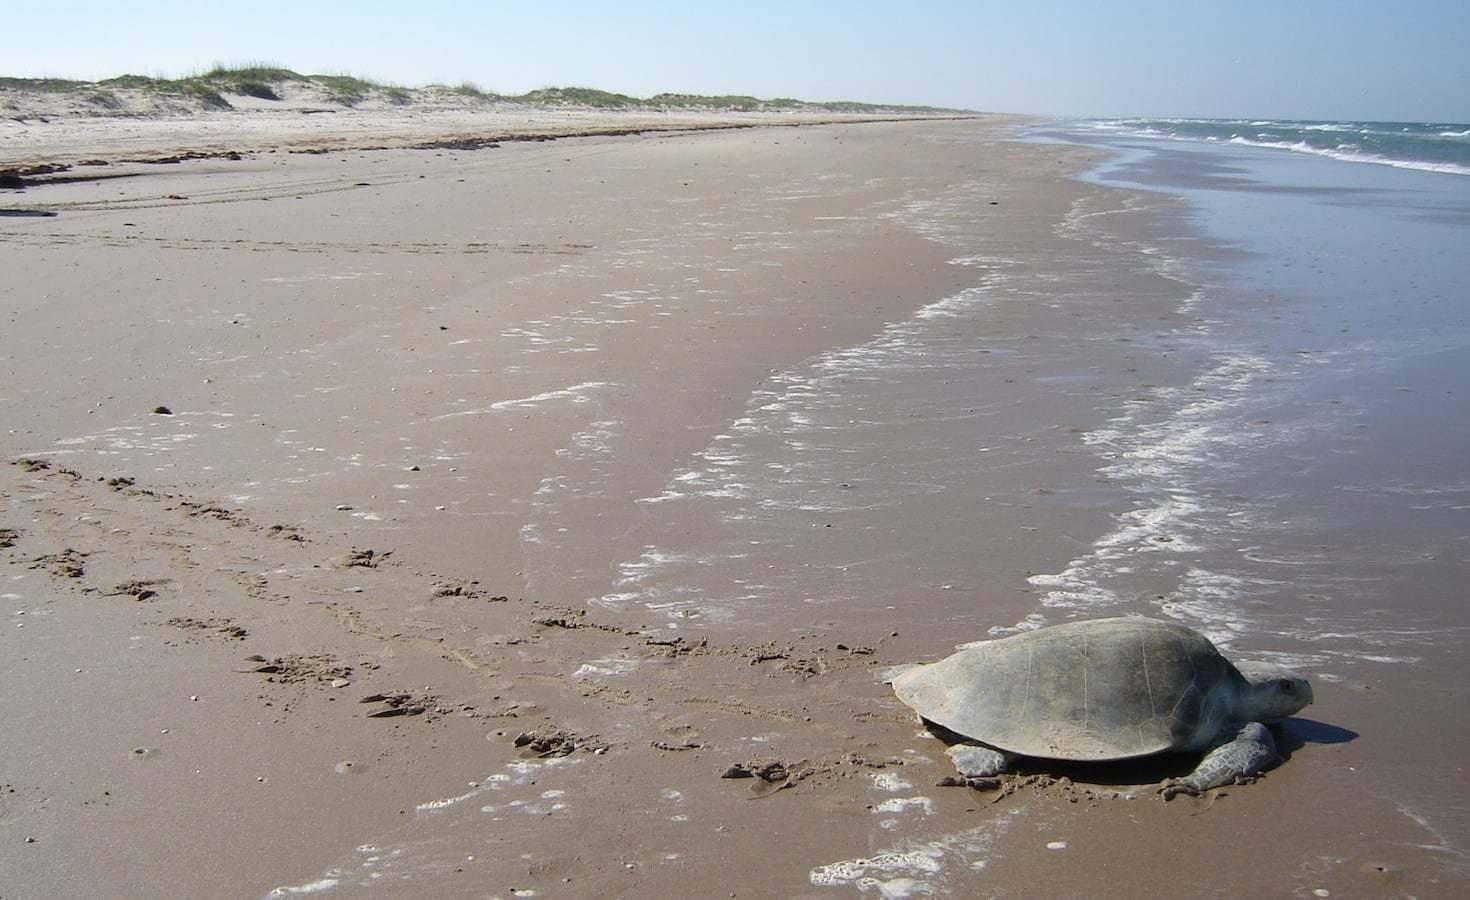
[
  {"x": 1322, "y": 446},
  {"x": 1428, "y": 146},
  {"x": 1312, "y": 476}
]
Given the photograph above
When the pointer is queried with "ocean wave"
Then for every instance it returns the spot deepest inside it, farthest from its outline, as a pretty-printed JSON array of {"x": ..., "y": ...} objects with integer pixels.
[
  {"x": 1424, "y": 147},
  {"x": 1341, "y": 152}
]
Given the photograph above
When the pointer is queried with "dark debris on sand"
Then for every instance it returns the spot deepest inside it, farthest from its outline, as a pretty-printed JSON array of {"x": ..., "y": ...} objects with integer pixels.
[
  {"x": 554, "y": 742},
  {"x": 299, "y": 669},
  {"x": 365, "y": 559},
  {"x": 286, "y": 533},
  {"x": 406, "y": 703},
  {"x": 221, "y": 627},
  {"x": 137, "y": 589},
  {"x": 68, "y": 563}
]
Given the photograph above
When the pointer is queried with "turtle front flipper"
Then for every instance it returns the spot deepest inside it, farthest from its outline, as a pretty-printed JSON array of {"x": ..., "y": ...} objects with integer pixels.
[
  {"x": 1247, "y": 754},
  {"x": 977, "y": 761}
]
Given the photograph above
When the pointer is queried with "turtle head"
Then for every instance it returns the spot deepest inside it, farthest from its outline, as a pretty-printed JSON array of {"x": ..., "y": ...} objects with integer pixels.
[{"x": 1272, "y": 692}]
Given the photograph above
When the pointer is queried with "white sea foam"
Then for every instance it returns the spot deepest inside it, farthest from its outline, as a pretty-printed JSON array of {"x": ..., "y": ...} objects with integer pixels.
[
  {"x": 798, "y": 401},
  {"x": 1032, "y": 622},
  {"x": 1441, "y": 843},
  {"x": 952, "y": 307},
  {"x": 1349, "y": 153},
  {"x": 311, "y": 887},
  {"x": 917, "y": 867},
  {"x": 891, "y": 782},
  {"x": 1209, "y": 602},
  {"x": 606, "y": 667},
  {"x": 1161, "y": 460},
  {"x": 446, "y": 802},
  {"x": 679, "y": 602},
  {"x": 322, "y": 276},
  {"x": 577, "y": 393},
  {"x": 904, "y": 804},
  {"x": 1274, "y": 141}
]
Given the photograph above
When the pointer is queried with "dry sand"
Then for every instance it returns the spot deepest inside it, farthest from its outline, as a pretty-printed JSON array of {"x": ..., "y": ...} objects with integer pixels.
[
  {"x": 226, "y": 381},
  {"x": 48, "y": 131}
]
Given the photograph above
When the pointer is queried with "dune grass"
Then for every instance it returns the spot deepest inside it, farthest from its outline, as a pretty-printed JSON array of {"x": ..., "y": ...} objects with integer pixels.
[
  {"x": 253, "y": 71},
  {"x": 266, "y": 80},
  {"x": 85, "y": 90},
  {"x": 44, "y": 85},
  {"x": 193, "y": 87},
  {"x": 700, "y": 101},
  {"x": 347, "y": 90},
  {"x": 577, "y": 96},
  {"x": 260, "y": 80},
  {"x": 471, "y": 90}
]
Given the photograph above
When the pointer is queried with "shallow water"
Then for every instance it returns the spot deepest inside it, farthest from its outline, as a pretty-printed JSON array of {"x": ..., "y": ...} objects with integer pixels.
[
  {"x": 909, "y": 474},
  {"x": 1324, "y": 450},
  {"x": 1313, "y": 479}
]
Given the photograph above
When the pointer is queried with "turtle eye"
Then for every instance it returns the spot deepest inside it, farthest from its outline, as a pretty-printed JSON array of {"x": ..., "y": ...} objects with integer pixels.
[{"x": 1287, "y": 687}]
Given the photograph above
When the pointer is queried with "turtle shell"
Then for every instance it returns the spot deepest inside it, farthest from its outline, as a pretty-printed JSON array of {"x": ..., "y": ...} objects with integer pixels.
[{"x": 1095, "y": 690}]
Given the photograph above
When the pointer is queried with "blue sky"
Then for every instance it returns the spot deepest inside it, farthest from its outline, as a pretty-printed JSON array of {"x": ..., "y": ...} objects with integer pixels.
[{"x": 1288, "y": 58}]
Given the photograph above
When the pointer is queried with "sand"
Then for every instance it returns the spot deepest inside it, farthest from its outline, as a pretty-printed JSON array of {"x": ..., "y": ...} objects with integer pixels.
[{"x": 356, "y": 503}]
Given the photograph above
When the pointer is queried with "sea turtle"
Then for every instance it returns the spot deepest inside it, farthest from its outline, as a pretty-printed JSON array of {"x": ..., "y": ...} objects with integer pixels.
[{"x": 1106, "y": 689}]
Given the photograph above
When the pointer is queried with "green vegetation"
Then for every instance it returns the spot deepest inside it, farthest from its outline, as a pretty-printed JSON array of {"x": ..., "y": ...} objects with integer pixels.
[
  {"x": 473, "y": 91},
  {"x": 577, "y": 96},
  {"x": 260, "y": 80},
  {"x": 248, "y": 79},
  {"x": 257, "y": 89},
  {"x": 266, "y": 81},
  {"x": 85, "y": 90},
  {"x": 195, "y": 88},
  {"x": 130, "y": 82},
  {"x": 43, "y": 85},
  {"x": 203, "y": 92},
  {"x": 104, "y": 99},
  {"x": 696, "y": 101},
  {"x": 256, "y": 71},
  {"x": 344, "y": 89}
]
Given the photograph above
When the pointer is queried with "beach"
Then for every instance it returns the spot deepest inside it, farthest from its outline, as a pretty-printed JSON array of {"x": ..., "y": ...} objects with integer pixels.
[{"x": 425, "y": 517}]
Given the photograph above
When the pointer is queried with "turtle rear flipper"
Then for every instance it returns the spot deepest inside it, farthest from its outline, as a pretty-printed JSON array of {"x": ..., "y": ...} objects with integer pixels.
[{"x": 976, "y": 761}]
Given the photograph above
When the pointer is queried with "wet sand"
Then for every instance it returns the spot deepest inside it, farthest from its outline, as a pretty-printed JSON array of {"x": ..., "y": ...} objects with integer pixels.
[{"x": 665, "y": 447}]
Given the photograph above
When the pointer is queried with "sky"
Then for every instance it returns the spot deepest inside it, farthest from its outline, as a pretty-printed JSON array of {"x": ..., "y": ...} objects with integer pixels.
[{"x": 1348, "y": 59}]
